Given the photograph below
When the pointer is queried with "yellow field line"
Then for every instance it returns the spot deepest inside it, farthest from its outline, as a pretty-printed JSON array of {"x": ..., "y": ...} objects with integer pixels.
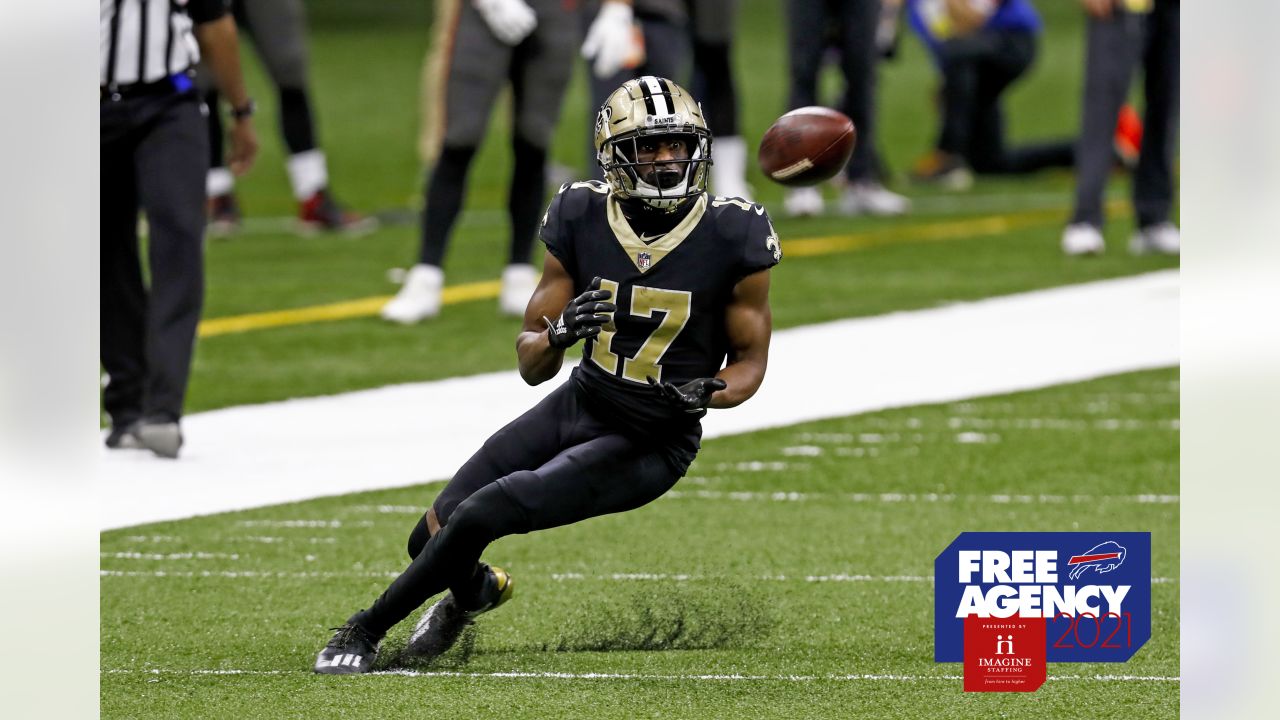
[
  {"x": 364, "y": 307},
  {"x": 800, "y": 247}
]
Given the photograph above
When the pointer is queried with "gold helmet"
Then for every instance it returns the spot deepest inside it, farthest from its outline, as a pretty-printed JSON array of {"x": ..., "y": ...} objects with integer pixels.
[{"x": 645, "y": 107}]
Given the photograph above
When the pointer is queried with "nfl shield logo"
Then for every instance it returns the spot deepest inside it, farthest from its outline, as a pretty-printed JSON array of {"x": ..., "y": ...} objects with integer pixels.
[{"x": 643, "y": 260}]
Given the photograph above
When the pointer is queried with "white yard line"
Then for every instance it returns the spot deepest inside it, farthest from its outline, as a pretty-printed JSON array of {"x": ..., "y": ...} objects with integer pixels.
[
  {"x": 252, "y": 456},
  {"x": 518, "y": 675}
]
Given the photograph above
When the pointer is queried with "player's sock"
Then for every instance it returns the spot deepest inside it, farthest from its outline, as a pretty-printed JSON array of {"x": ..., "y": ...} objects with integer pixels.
[
  {"x": 446, "y": 187},
  {"x": 308, "y": 174},
  {"x": 525, "y": 200}
]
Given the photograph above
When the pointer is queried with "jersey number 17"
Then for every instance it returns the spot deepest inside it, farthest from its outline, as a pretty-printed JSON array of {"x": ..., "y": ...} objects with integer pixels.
[{"x": 675, "y": 306}]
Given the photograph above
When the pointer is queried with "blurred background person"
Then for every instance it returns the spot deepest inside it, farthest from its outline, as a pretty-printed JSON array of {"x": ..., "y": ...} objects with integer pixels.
[
  {"x": 626, "y": 39},
  {"x": 1120, "y": 35},
  {"x": 980, "y": 47},
  {"x": 154, "y": 156},
  {"x": 278, "y": 31},
  {"x": 851, "y": 26},
  {"x": 480, "y": 47},
  {"x": 713, "y": 24}
]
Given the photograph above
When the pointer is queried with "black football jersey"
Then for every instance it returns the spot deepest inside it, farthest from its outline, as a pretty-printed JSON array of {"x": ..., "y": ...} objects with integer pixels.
[{"x": 672, "y": 291}]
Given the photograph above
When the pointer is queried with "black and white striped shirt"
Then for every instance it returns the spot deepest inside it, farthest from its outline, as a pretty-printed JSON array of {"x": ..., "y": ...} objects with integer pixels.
[{"x": 145, "y": 41}]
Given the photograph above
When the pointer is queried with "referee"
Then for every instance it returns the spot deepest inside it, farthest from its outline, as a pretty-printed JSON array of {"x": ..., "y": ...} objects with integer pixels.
[{"x": 154, "y": 157}]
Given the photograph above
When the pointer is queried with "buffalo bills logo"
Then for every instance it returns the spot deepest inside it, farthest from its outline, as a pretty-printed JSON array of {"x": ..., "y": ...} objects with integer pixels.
[{"x": 1103, "y": 558}]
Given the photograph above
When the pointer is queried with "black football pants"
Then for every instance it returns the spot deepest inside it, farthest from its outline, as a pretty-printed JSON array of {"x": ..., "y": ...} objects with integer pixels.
[
  {"x": 557, "y": 464},
  {"x": 154, "y": 156}
]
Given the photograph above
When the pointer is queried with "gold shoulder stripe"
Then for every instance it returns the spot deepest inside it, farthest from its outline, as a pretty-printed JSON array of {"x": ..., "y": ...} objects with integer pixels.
[{"x": 645, "y": 255}]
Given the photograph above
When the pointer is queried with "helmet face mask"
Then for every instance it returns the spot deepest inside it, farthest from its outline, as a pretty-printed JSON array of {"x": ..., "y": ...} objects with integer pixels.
[{"x": 641, "y": 119}]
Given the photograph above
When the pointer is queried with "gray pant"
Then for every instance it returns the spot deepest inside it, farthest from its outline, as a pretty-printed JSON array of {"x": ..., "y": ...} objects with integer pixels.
[
  {"x": 1115, "y": 48},
  {"x": 470, "y": 67}
]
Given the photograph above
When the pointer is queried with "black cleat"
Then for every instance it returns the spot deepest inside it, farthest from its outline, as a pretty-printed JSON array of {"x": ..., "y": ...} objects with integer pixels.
[
  {"x": 352, "y": 650},
  {"x": 442, "y": 624}
]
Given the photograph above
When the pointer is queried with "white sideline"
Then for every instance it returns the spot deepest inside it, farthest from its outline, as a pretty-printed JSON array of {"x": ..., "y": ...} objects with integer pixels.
[
  {"x": 251, "y": 456},
  {"x": 641, "y": 676}
]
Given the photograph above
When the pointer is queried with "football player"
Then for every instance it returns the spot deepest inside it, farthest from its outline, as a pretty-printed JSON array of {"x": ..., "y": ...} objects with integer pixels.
[
  {"x": 482, "y": 47},
  {"x": 664, "y": 283}
]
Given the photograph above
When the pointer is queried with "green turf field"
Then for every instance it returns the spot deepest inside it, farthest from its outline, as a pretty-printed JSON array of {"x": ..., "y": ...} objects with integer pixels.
[
  {"x": 767, "y": 595},
  {"x": 365, "y": 70},
  {"x": 875, "y": 495}
]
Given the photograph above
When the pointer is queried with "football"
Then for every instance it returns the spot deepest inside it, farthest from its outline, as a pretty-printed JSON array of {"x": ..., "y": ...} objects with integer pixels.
[{"x": 806, "y": 146}]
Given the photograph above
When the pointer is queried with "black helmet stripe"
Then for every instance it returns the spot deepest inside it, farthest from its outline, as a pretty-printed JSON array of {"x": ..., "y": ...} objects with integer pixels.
[
  {"x": 656, "y": 102},
  {"x": 671, "y": 91}
]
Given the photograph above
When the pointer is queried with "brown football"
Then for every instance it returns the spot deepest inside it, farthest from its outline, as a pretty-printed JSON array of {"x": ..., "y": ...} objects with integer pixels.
[{"x": 806, "y": 146}]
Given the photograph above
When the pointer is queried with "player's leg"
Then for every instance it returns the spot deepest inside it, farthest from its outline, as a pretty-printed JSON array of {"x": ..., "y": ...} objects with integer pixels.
[
  {"x": 857, "y": 23},
  {"x": 806, "y": 44},
  {"x": 714, "y": 23},
  {"x": 527, "y": 442},
  {"x": 1112, "y": 49},
  {"x": 1013, "y": 54},
  {"x": 1153, "y": 178},
  {"x": 171, "y": 163},
  {"x": 606, "y": 474},
  {"x": 123, "y": 296},
  {"x": 279, "y": 32},
  {"x": 859, "y": 57},
  {"x": 472, "y": 72},
  {"x": 541, "y": 67}
]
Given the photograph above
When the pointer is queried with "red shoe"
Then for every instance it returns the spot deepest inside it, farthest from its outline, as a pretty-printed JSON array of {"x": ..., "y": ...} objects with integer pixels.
[
  {"x": 1128, "y": 137},
  {"x": 321, "y": 212}
]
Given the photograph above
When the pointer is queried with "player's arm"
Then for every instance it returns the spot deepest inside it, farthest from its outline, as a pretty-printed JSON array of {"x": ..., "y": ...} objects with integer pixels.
[
  {"x": 541, "y": 344},
  {"x": 539, "y": 361},
  {"x": 749, "y": 323}
]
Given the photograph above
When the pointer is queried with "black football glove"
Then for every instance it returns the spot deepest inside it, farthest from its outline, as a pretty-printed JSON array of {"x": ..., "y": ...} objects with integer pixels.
[
  {"x": 693, "y": 396},
  {"x": 582, "y": 317}
]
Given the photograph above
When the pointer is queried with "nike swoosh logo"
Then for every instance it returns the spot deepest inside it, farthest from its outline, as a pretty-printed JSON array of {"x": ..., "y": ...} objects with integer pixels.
[{"x": 646, "y": 239}]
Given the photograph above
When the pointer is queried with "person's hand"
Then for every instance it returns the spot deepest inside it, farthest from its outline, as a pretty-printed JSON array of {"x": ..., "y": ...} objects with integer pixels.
[
  {"x": 244, "y": 146},
  {"x": 1100, "y": 9},
  {"x": 509, "y": 20},
  {"x": 582, "y": 318},
  {"x": 610, "y": 39},
  {"x": 692, "y": 396}
]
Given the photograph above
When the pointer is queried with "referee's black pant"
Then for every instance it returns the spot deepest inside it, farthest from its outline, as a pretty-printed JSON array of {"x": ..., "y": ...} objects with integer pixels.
[{"x": 154, "y": 157}]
